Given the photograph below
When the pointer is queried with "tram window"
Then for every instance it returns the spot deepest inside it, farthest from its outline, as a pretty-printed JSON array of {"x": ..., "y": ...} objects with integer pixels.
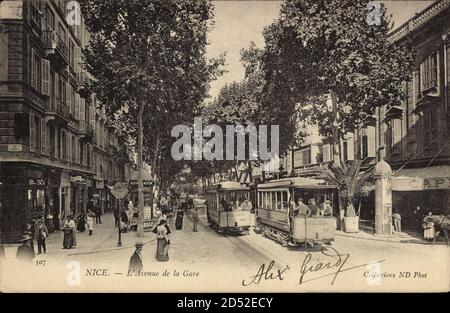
[
  {"x": 279, "y": 201},
  {"x": 274, "y": 200},
  {"x": 285, "y": 200}
]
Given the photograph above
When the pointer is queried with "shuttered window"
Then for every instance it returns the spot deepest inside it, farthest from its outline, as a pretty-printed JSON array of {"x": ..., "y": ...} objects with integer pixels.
[
  {"x": 45, "y": 77},
  {"x": 77, "y": 106},
  {"x": 92, "y": 116},
  {"x": 32, "y": 133},
  {"x": 43, "y": 137},
  {"x": 77, "y": 61},
  {"x": 82, "y": 109},
  {"x": 36, "y": 68},
  {"x": 69, "y": 97}
]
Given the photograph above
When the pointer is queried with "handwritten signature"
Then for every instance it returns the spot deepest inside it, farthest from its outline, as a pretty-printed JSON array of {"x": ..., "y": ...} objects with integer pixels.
[
  {"x": 336, "y": 263},
  {"x": 266, "y": 273}
]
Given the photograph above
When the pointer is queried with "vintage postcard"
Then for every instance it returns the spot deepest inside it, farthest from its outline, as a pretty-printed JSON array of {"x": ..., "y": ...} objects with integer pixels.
[{"x": 224, "y": 146}]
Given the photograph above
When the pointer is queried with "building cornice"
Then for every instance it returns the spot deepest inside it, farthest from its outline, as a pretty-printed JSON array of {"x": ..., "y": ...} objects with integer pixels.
[{"x": 419, "y": 20}]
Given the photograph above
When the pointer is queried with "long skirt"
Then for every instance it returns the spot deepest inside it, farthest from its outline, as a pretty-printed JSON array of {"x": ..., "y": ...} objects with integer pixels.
[
  {"x": 81, "y": 227},
  {"x": 179, "y": 223},
  {"x": 429, "y": 233},
  {"x": 162, "y": 251},
  {"x": 68, "y": 239}
]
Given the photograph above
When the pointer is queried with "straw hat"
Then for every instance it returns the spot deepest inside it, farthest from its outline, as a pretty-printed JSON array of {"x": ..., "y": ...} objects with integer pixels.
[{"x": 25, "y": 238}]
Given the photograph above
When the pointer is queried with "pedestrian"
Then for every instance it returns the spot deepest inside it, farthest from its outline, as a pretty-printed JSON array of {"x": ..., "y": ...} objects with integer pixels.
[
  {"x": 81, "y": 225},
  {"x": 179, "y": 219},
  {"x": 313, "y": 207},
  {"x": 397, "y": 218},
  {"x": 124, "y": 217},
  {"x": 98, "y": 214},
  {"x": 196, "y": 219},
  {"x": 30, "y": 230},
  {"x": 69, "y": 240},
  {"x": 24, "y": 252},
  {"x": 429, "y": 230},
  {"x": 2, "y": 252},
  {"x": 116, "y": 217},
  {"x": 90, "y": 222},
  {"x": 42, "y": 233},
  {"x": 136, "y": 259},
  {"x": 163, "y": 242}
]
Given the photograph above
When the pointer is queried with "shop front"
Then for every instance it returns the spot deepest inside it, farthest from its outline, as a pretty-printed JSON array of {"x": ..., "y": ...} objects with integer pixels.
[
  {"x": 27, "y": 192},
  {"x": 417, "y": 192},
  {"x": 65, "y": 196}
]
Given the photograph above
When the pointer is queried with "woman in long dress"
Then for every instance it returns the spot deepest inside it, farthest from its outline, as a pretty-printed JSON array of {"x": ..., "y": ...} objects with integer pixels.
[
  {"x": 179, "y": 219},
  {"x": 81, "y": 226},
  {"x": 69, "y": 233},
  {"x": 90, "y": 222},
  {"x": 162, "y": 249}
]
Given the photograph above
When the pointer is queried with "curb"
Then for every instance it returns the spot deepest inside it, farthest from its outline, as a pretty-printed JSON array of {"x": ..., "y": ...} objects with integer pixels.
[{"x": 387, "y": 240}]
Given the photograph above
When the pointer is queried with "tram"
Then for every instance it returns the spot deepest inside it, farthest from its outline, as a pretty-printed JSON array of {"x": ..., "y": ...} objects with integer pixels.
[
  {"x": 229, "y": 209},
  {"x": 297, "y": 210}
]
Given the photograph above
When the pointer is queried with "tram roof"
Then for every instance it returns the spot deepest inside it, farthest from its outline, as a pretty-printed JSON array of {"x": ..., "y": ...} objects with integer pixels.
[
  {"x": 229, "y": 185},
  {"x": 297, "y": 182}
]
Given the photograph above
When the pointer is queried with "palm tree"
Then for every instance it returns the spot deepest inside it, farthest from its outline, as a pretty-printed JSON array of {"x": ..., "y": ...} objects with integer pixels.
[{"x": 352, "y": 185}]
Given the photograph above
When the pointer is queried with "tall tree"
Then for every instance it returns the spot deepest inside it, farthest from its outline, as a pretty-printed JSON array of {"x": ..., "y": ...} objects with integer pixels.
[
  {"x": 322, "y": 48},
  {"x": 148, "y": 58}
]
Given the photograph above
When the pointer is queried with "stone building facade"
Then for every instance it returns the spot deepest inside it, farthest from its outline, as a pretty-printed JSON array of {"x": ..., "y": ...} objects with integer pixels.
[{"x": 57, "y": 151}]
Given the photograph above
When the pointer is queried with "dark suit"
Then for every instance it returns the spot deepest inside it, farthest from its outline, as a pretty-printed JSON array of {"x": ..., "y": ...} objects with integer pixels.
[{"x": 135, "y": 262}]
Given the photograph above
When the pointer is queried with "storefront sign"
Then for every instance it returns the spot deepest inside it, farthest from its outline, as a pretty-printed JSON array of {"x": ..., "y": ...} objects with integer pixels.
[
  {"x": 417, "y": 184},
  {"x": 36, "y": 182},
  {"x": 15, "y": 148}
]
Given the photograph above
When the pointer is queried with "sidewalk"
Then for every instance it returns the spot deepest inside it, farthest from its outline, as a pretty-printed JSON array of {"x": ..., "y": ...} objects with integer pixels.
[
  {"x": 399, "y": 237},
  {"x": 104, "y": 238}
]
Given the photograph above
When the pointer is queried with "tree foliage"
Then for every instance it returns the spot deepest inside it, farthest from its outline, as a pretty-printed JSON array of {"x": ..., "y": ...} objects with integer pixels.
[
  {"x": 150, "y": 57},
  {"x": 318, "y": 47}
]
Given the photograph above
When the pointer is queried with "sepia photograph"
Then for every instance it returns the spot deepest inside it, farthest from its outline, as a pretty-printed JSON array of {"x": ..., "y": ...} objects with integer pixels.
[{"x": 214, "y": 146}]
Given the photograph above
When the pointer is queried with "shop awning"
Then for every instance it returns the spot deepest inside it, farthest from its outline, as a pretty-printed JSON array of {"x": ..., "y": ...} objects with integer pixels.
[
  {"x": 416, "y": 179},
  {"x": 146, "y": 176}
]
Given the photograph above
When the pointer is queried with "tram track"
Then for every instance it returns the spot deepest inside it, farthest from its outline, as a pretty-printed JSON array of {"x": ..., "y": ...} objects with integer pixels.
[{"x": 259, "y": 255}]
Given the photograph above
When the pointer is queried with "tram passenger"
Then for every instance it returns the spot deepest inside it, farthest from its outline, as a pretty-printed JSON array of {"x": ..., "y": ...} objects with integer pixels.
[
  {"x": 327, "y": 209},
  {"x": 246, "y": 205},
  {"x": 302, "y": 208},
  {"x": 314, "y": 210}
]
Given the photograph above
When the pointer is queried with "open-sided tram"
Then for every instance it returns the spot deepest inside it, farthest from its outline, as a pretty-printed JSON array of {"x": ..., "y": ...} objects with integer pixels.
[
  {"x": 229, "y": 207},
  {"x": 297, "y": 210}
]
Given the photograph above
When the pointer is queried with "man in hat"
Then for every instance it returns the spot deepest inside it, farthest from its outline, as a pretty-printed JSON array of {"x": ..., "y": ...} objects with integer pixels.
[
  {"x": 136, "y": 259},
  {"x": 327, "y": 209},
  {"x": 24, "y": 252},
  {"x": 42, "y": 233}
]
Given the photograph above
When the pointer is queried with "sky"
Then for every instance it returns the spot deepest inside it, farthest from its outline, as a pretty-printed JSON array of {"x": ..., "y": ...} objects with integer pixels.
[{"x": 237, "y": 23}]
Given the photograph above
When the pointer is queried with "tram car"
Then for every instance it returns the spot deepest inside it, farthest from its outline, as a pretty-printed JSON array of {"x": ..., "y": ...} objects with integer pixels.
[
  {"x": 229, "y": 209},
  {"x": 297, "y": 210}
]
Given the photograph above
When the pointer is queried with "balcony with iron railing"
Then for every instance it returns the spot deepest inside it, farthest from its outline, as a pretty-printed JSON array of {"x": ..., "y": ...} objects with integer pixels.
[
  {"x": 86, "y": 130},
  {"x": 55, "y": 47},
  {"x": 57, "y": 110}
]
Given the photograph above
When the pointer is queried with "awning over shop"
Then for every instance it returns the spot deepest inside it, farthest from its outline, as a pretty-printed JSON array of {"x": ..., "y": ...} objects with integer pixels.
[
  {"x": 146, "y": 176},
  {"x": 416, "y": 179}
]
